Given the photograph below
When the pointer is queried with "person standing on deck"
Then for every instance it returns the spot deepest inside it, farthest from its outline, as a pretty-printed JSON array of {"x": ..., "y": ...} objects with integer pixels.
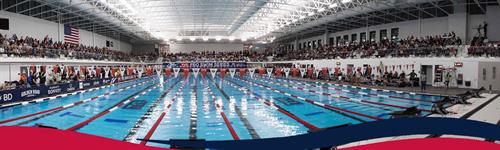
[
  {"x": 447, "y": 80},
  {"x": 413, "y": 77},
  {"x": 423, "y": 81}
]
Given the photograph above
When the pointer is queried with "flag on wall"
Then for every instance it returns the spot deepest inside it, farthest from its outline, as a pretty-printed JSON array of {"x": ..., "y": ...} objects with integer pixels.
[{"x": 71, "y": 34}]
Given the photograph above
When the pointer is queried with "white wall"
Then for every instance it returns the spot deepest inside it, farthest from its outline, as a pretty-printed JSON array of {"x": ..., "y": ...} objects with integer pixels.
[
  {"x": 493, "y": 19},
  {"x": 218, "y": 47},
  {"x": 473, "y": 22},
  {"x": 37, "y": 28},
  {"x": 143, "y": 48},
  {"x": 470, "y": 70},
  {"x": 492, "y": 78}
]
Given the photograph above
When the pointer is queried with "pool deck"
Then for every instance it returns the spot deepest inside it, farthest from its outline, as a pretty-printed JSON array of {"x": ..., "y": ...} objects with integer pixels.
[
  {"x": 429, "y": 89},
  {"x": 485, "y": 109}
]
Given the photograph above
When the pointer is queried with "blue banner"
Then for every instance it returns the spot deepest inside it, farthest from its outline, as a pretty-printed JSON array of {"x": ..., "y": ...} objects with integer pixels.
[
  {"x": 207, "y": 64},
  {"x": 23, "y": 94}
]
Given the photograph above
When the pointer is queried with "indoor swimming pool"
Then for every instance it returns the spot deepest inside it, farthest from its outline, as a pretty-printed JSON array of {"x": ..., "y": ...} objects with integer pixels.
[{"x": 198, "y": 108}]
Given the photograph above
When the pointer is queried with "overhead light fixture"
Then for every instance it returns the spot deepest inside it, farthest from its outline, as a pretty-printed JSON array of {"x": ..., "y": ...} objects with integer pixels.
[
  {"x": 310, "y": 14},
  {"x": 346, "y": 1},
  {"x": 243, "y": 39},
  {"x": 321, "y": 9},
  {"x": 179, "y": 39},
  {"x": 333, "y": 5},
  {"x": 192, "y": 39},
  {"x": 218, "y": 38},
  {"x": 302, "y": 17},
  {"x": 231, "y": 38},
  {"x": 205, "y": 38}
]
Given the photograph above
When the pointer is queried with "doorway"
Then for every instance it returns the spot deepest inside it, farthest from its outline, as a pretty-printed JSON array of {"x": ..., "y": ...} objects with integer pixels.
[{"x": 427, "y": 70}]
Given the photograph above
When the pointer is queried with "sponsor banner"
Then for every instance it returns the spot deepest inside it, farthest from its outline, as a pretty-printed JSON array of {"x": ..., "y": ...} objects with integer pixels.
[
  {"x": 23, "y": 94},
  {"x": 56, "y": 89},
  {"x": 208, "y": 64},
  {"x": 71, "y": 87}
]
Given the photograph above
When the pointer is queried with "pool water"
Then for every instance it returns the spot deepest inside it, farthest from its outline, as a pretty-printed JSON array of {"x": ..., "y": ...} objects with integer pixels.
[{"x": 196, "y": 108}]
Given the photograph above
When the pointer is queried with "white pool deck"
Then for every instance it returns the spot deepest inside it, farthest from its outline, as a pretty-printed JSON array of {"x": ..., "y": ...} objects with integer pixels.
[{"x": 489, "y": 113}]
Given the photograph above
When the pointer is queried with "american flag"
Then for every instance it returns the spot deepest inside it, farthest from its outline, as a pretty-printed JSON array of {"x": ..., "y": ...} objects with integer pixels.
[{"x": 71, "y": 34}]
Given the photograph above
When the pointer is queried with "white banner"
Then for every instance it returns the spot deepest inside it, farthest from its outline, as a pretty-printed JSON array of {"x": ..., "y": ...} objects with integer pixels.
[
  {"x": 176, "y": 72},
  {"x": 302, "y": 72},
  {"x": 93, "y": 72},
  {"x": 61, "y": 68},
  {"x": 89, "y": 69},
  {"x": 158, "y": 69},
  {"x": 106, "y": 72},
  {"x": 140, "y": 69},
  {"x": 213, "y": 72},
  {"x": 331, "y": 71},
  {"x": 196, "y": 71},
  {"x": 37, "y": 68},
  {"x": 317, "y": 71},
  {"x": 232, "y": 71},
  {"x": 287, "y": 72},
  {"x": 269, "y": 72},
  {"x": 122, "y": 71},
  {"x": 252, "y": 72},
  {"x": 48, "y": 69}
]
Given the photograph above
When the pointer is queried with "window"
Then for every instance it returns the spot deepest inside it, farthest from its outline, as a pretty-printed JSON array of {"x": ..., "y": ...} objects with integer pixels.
[
  {"x": 339, "y": 40},
  {"x": 373, "y": 35},
  {"x": 319, "y": 43},
  {"x": 395, "y": 34},
  {"x": 383, "y": 35},
  {"x": 346, "y": 39},
  {"x": 332, "y": 41},
  {"x": 494, "y": 72},
  {"x": 363, "y": 36},
  {"x": 354, "y": 38},
  {"x": 484, "y": 74}
]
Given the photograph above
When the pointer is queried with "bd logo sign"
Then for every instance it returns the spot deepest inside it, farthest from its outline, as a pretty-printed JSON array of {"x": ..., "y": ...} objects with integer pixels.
[{"x": 6, "y": 97}]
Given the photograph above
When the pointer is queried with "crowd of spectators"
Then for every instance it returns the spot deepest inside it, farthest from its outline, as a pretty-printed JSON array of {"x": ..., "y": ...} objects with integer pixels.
[
  {"x": 490, "y": 50},
  {"x": 427, "y": 46},
  {"x": 15, "y": 46},
  {"x": 446, "y": 45},
  {"x": 440, "y": 45},
  {"x": 30, "y": 77}
]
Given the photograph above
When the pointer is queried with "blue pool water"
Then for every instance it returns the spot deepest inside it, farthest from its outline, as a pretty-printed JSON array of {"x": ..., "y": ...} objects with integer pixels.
[{"x": 198, "y": 108}]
